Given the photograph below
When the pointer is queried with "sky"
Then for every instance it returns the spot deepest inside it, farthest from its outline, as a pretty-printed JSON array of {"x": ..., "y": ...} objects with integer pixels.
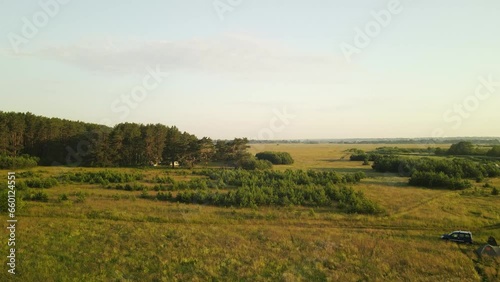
[{"x": 262, "y": 69}]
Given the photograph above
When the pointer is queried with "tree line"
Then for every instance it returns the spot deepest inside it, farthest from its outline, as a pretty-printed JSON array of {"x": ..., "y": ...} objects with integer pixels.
[
  {"x": 468, "y": 148},
  {"x": 462, "y": 148},
  {"x": 437, "y": 173},
  {"x": 26, "y": 138}
]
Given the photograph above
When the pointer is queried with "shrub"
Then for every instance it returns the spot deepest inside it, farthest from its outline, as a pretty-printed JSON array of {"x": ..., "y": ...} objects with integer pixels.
[
  {"x": 163, "y": 180},
  {"x": 80, "y": 197},
  {"x": 494, "y": 191},
  {"x": 24, "y": 161},
  {"x": 160, "y": 187},
  {"x": 461, "y": 148},
  {"x": 456, "y": 168},
  {"x": 42, "y": 182},
  {"x": 359, "y": 157},
  {"x": 104, "y": 177},
  {"x": 494, "y": 152},
  {"x": 281, "y": 188},
  {"x": 164, "y": 196},
  {"x": 277, "y": 158},
  {"x": 254, "y": 164},
  {"x": 63, "y": 197},
  {"x": 438, "y": 180},
  {"x": 312, "y": 195},
  {"x": 38, "y": 196}
]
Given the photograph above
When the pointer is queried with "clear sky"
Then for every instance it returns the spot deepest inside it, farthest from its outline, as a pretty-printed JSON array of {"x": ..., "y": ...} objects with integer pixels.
[{"x": 268, "y": 69}]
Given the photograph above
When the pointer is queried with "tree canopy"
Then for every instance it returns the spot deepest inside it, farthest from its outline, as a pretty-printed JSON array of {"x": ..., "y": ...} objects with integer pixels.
[{"x": 54, "y": 141}]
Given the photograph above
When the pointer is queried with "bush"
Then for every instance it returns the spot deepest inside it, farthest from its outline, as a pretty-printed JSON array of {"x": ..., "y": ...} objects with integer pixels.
[
  {"x": 131, "y": 187},
  {"x": 24, "y": 161},
  {"x": 494, "y": 152},
  {"x": 359, "y": 157},
  {"x": 80, "y": 197},
  {"x": 276, "y": 158},
  {"x": 280, "y": 188},
  {"x": 163, "y": 180},
  {"x": 438, "y": 180},
  {"x": 41, "y": 182},
  {"x": 101, "y": 177},
  {"x": 494, "y": 191},
  {"x": 461, "y": 148},
  {"x": 254, "y": 164},
  {"x": 63, "y": 197},
  {"x": 38, "y": 196},
  {"x": 458, "y": 168},
  {"x": 164, "y": 196},
  {"x": 311, "y": 195}
]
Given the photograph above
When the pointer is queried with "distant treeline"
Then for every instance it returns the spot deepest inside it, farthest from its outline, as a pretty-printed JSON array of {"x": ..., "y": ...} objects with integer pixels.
[
  {"x": 437, "y": 173},
  {"x": 53, "y": 141},
  {"x": 463, "y": 148},
  {"x": 425, "y": 141},
  {"x": 467, "y": 148}
]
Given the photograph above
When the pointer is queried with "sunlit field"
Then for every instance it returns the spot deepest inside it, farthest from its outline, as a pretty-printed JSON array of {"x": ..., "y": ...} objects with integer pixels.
[{"x": 103, "y": 234}]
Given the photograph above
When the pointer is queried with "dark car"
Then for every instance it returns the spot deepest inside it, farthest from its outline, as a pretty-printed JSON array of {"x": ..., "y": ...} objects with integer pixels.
[{"x": 458, "y": 236}]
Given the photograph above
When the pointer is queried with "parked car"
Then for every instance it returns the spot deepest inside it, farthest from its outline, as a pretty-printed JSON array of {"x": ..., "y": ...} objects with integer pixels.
[{"x": 458, "y": 236}]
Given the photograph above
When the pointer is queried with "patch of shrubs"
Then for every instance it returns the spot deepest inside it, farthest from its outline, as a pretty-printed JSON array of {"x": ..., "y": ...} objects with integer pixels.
[
  {"x": 38, "y": 197},
  {"x": 101, "y": 177},
  {"x": 276, "y": 158},
  {"x": 251, "y": 163},
  {"x": 163, "y": 180},
  {"x": 311, "y": 195},
  {"x": 494, "y": 151},
  {"x": 494, "y": 191},
  {"x": 278, "y": 188},
  {"x": 28, "y": 174},
  {"x": 131, "y": 187},
  {"x": 164, "y": 196},
  {"x": 442, "y": 173},
  {"x": 41, "y": 182},
  {"x": 63, "y": 197},
  {"x": 460, "y": 168},
  {"x": 438, "y": 180},
  {"x": 24, "y": 161},
  {"x": 239, "y": 177}
]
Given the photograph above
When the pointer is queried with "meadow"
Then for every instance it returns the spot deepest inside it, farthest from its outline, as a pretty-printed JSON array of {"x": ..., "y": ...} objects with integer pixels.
[{"x": 95, "y": 232}]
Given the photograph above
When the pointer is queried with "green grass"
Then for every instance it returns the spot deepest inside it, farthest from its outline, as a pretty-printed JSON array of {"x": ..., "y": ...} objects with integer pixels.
[{"x": 115, "y": 235}]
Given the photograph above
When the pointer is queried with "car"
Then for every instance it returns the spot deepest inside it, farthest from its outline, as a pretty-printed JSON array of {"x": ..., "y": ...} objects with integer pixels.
[{"x": 458, "y": 236}]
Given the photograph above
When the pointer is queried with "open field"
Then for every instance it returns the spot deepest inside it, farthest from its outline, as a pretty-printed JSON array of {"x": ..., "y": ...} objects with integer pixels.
[
  {"x": 328, "y": 156},
  {"x": 102, "y": 234}
]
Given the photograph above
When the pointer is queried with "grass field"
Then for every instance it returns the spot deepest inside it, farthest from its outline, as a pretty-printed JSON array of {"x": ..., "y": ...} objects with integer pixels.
[{"x": 114, "y": 235}]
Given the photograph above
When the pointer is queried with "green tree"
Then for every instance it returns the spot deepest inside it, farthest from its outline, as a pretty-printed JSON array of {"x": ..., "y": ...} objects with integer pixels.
[
  {"x": 232, "y": 151},
  {"x": 495, "y": 151},
  {"x": 462, "y": 148},
  {"x": 207, "y": 149},
  {"x": 154, "y": 137},
  {"x": 129, "y": 144},
  {"x": 180, "y": 147}
]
